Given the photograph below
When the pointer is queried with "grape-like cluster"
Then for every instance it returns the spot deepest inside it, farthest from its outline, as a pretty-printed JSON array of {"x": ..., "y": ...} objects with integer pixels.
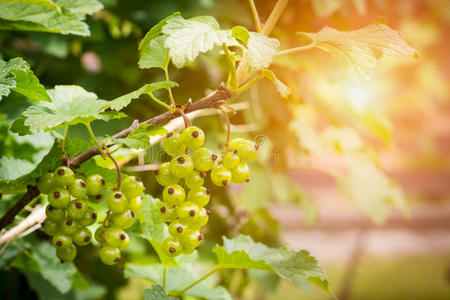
[
  {"x": 186, "y": 213},
  {"x": 69, "y": 215}
]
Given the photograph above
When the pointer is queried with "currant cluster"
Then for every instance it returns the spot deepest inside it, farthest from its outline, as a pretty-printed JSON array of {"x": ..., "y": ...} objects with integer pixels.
[
  {"x": 69, "y": 215},
  {"x": 186, "y": 214}
]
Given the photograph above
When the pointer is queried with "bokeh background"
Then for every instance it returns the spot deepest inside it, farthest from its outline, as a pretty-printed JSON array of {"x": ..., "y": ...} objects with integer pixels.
[{"x": 357, "y": 173}]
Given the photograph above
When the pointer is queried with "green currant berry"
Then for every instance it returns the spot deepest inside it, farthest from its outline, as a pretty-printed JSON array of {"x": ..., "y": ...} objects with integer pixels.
[
  {"x": 240, "y": 174},
  {"x": 191, "y": 239},
  {"x": 109, "y": 255},
  {"x": 221, "y": 176},
  {"x": 82, "y": 236},
  {"x": 69, "y": 226},
  {"x": 181, "y": 166},
  {"x": 95, "y": 184},
  {"x": 117, "y": 237},
  {"x": 203, "y": 159},
  {"x": 61, "y": 240},
  {"x": 203, "y": 217},
  {"x": 50, "y": 227},
  {"x": 172, "y": 246},
  {"x": 55, "y": 214},
  {"x": 176, "y": 228},
  {"x": 97, "y": 198},
  {"x": 76, "y": 209},
  {"x": 78, "y": 189},
  {"x": 188, "y": 212},
  {"x": 46, "y": 183},
  {"x": 187, "y": 251},
  {"x": 59, "y": 197},
  {"x": 199, "y": 196},
  {"x": 117, "y": 202},
  {"x": 135, "y": 203},
  {"x": 231, "y": 159},
  {"x": 173, "y": 145},
  {"x": 167, "y": 214},
  {"x": 247, "y": 151},
  {"x": 123, "y": 220},
  {"x": 132, "y": 187},
  {"x": 163, "y": 175},
  {"x": 64, "y": 176},
  {"x": 193, "y": 137},
  {"x": 235, "y": 142},
  {"x": 99, "y": 235},
  {"x": 67, "y": 254},
  {"x": 173, "y": 195},
  {"x": 195, "y": 179},
  {"x": 89, "y": 218}
]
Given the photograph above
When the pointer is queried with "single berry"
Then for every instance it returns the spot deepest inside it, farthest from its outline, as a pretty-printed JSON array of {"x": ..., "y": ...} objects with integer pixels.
[
  {"x": 173, "y": 145},
  {"x": 67, "y": 254},
  {"x": 89, "y": 217},
  {"x": 46, "y": 183},
  {"x": 203, "y": 217},
  {"x": 193, "y": 137},
  {"x": 177, "y": 228},
  {"x": 181, "y": 166},
  {"x": 97, "y": 198},
  {"x": 78, "y": 189},
  {"x": 117, "y": 202},
  {"x": 76, "y": 209},
  {"x": 95, "y": 185},
  {"x": 164, "y": 176},
  {"x": 167, "y": 214},
  {"x": 191, "y": 239},
  {"x": 59, "y": 197},
  {"x": 123, "y": 220},
  {"x": 194, "y": 179},
  {"x": 247, "y": 150},
  {"x": 203, "y": 159},
  {"x": 99, "y": 235},
  {"x": 199, "y": 196},
  {"x": 64, "y": 176},
  {"x": 135, "y": 203},
  {"x": 62, "y": 240},
  {"x": 132, "y": 187},
  {"x": 50, "y": 227},
  {"x": 109, "y": 255},
  {"x": 172, "y": 246},
  {"x": 117, "y": 237},
  {"x": 82, "y": 236},
  {"x": 221, "y": 176},
  {"x": 69, "y": 226},
  {"x": 55, "y": 214},
  {"x": 240, "y": 173},
  {"x": 173, "y": 194},
  {"x": 231, "y": 160},
  {"x": 188, "y": 212}
]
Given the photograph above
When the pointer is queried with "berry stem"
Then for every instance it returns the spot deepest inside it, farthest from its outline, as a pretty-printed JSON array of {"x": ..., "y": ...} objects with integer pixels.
[
  {"x": 66, "y": 129},
  {"x": 255, "y": 15},
  {"x": 249, "y": 84},
  {"x": 172, "y": 101},
  {"x": 197, "y": 281},
  {"x": 91, "y": 133},
  {"x": 186, "y": 120},
  {"x": 160, "y": 102},
  {"x": 227, "y": 143},
  {"x": 119, "y": 173},
  {"x": 296, "y": 49}
]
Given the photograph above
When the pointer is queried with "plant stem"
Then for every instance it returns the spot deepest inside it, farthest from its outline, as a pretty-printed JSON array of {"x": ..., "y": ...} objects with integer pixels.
[
  {"x": 231, "y": 66},
  {"x": 274, "y": 16},
  {"x": 197, "y": 281},
  {"x": 227, "y": 143},
  {"x": 296, "y": 49},
  {"x": 164, "y": 277},
  {"x": 119, "y": 173},
  {"x": 248, "y": 84},
  {"x": 160, "y": 102},
  {"x": 66, "y": 129},
  {"x": 91, "y": 133},
  {"x": 172, "y": 101},
  {"x": 108, "y": 213},
  {"x": 186, "y": 120},
  {"x": 255, "y": 15}
]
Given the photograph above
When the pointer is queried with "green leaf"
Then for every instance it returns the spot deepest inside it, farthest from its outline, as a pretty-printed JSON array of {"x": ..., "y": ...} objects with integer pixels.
[
  {"x": 187, "y": 38},
  {"x": 140, "y": 137},
  {"x": 156, "y": 292},
  {"x": 355, "y": 53},
  {"x": 16, "y": 75},
  {"x": 121, "y": 102},
  {"x": 155, "y": 31},
  {"x": 243, "y": 253},
  {"x": 283, "y": 89},
  {"x": 261, "y": 50},
  {"x": 240, "y": 33},
  {"x": 13, "y": 168},
  {"x": 155, "y": 55},
  {"x": 80, "y": 7}
]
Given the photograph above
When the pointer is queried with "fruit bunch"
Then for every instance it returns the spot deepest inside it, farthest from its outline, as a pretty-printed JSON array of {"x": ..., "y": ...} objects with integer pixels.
[
  {"x": 186, "y": 214},
  {"x": 69, "y": 215}
]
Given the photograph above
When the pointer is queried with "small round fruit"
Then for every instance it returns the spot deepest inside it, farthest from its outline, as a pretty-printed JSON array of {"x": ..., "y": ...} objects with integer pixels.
[
  {"x": 61, "y": 240},
  {"x": 89, "y": 218},
  {"x": 46, "y": 183},
  {"x": 117, "y": 202},
  {"x": 132, "y": 187},
  {"x": 109, "y": 255},
  {"x": 199, "y": 196},
  {"x": 203, "y": 159},
  {"x": 67, "y": 254},
  {"x": 97, "y": 198},
  {"x": 164, "y": 176},
  {"x": 117, "y": 237},
  {"x": 203, "y": 217},
  {"x": 78, "y": 189},
  {"x": 76, "y": 209},
  {"x": 240, "y": 174},
  {"x": 193, "y": 137},
  {"x": 188, "y": 212},
  {"x": 181, "y": 166},
  {"x": 221, "y": 176},
  {"x": 82, "y": 236},
  {"x": 55, "y": 214},
  {"x": 247, "y": 151},
  {"x": 50, "y": 227},
  {"x": 69, "y": 226},
  {"x": 167, "y": 214},
  {"x": 235, "y": 142},
  {"x": 64, "y": 176},
  {"x": 123, "y": 220},
  {"x": 195, "y": 179},
  {"x": 176, "y": 228},
  {"x": 135, "y": 203},
  {"x": 231, "y": 159},
  {"x": 173, "y": 195},
  {"x": 172, "y": 246},
  {"x": 99, "y": 235},
  {"x": 191, "y": 239},
  {"x": 173, "y": 145},
  {"x": 95, "y": 184},
  {"x": 59, "y": 197}
]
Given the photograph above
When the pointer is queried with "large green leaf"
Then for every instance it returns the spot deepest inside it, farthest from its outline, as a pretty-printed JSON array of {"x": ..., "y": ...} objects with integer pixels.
[
  {"x": 155, "y": 31},
  {"x": 140, "y": 137},
  {"x": 261, "y": 50},
  {"x": 12, "y": 168},
  {"x": 243, "y": 253},
  {"x": 156, "y": 292},
  {"x": 16, "y": 75},
  {"x": 154, "y": 55},
  {"x": 187, "y": 38}
]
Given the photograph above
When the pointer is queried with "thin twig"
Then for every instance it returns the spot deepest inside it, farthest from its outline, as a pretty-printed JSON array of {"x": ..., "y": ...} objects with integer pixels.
[
  {"x": 37, "y": 216},
  {"x": 119, "y": 173},
  {"x": 255, "y": 15},
  {"x": 227, "y": 119}
]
